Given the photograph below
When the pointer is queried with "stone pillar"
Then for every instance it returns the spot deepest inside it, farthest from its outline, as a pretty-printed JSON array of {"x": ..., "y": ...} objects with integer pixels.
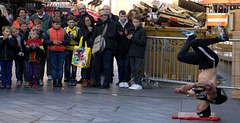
[
  {"x": 236, "y": 64},
  {"x": 233, "y": 21}
]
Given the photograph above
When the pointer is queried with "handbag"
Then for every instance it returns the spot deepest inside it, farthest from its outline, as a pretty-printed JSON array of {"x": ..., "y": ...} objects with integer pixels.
[
  {"x": 99, "y": 42},
  {"x": 81, "y": 55}
]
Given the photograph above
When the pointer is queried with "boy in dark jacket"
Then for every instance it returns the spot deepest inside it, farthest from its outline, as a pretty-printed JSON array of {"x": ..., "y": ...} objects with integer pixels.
[
  {"x": 34, "y": 50},
  {"x": 20, "y": 59},
  {"x": 124, "y": 28},
  {"x": 23, "y": 30},
  {"x": 137, "y": 51},
  {"x": 7, "y": 46}
]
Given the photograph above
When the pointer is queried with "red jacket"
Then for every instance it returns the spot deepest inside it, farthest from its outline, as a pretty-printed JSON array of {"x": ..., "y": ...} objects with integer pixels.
[{"x": 34, "y": 55}]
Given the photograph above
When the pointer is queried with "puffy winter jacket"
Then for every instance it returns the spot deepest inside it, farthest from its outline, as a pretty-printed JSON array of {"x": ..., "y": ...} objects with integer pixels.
[
  {"x": 7, "y": 49},
  {"x": 138, "y": 43},
  {"x": 56, "y": 35}
]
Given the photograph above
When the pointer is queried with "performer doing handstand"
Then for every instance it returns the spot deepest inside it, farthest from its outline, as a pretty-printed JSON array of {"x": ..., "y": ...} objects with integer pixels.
[{"x": 206, "y": 88}]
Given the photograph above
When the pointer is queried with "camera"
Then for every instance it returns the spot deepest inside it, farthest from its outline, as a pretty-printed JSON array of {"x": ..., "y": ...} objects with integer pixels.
[{"x": 21, "y": 54}]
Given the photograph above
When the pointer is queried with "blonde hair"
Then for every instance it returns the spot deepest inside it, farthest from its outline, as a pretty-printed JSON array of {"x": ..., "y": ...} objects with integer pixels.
[
  {"x": 37, "y": 21},
  {"x": 4, "y": 11},
  {"x": 14, "y": 28},
  {"x": 6, "y": 27}
]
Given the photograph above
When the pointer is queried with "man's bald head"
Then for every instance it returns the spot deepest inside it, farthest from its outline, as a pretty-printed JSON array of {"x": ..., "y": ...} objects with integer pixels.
[
  {"x": 81, "y": 8},
  {"x": 108, "y": 9}
]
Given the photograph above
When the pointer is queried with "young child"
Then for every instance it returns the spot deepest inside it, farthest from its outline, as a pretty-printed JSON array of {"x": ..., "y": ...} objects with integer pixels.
[
  {"x": 20, "y": 59},
  {"x": 34, "y": 50},
  {"x": 57, "y": 39},
  {"x": 38, "y": 26},
  {"x": 72, "y": 31},
  {"x": 137, "y": 51},
  {"x": 7, "y": 47},
  {"x": 23, "y": 30},
  {"x": 124, "y": 28}
]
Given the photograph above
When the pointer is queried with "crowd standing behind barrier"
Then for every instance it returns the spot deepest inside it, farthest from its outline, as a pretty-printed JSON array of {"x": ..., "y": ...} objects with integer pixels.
[{"x": 160, "y": 63}]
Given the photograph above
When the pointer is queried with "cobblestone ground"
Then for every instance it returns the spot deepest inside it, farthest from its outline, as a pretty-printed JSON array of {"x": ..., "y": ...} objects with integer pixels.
[{"x": 115, "y": 105}]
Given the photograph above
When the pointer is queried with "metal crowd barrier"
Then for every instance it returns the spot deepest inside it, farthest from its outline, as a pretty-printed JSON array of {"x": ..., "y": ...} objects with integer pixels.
[{"x": 161, "y": 64}]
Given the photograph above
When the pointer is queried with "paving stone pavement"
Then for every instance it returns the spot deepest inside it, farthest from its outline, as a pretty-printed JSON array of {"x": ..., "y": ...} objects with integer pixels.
[{"x": 90, "y": 105}]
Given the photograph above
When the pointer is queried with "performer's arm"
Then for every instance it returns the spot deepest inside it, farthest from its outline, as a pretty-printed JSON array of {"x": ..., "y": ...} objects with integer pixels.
[{"x": 185, "y": 89}]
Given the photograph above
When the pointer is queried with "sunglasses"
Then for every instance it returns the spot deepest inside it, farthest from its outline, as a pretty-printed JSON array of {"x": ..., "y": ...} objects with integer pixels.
[{"x": 103, "y": 15}]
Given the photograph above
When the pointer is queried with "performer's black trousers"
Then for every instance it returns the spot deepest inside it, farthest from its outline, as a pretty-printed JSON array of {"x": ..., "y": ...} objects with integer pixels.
[{"x": 203, "y": 56}]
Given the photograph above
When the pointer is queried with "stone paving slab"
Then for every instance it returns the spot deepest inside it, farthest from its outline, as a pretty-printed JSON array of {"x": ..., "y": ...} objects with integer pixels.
[
  {"x": 90, "y": 105},
  {"x": 115, "y": 105}
]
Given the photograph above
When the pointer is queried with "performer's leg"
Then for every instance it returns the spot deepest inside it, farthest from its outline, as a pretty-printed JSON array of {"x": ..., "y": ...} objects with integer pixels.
[
  {"x": 188, "y": 57},
  {"x": 207, "y": 57},
  {"x": 223, "y": 36}
]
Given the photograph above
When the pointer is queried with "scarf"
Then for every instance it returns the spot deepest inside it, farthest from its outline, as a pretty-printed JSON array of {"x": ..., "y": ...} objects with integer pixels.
[{"x": 26, "y": 19}]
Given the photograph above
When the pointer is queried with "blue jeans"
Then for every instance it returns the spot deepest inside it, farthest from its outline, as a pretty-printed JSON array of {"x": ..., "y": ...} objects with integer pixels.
[
  {"x": 124, "y": 70},
  {"x": 105, "y": 59},
  {"x": 21, "y": 69},
  {"x": 6, "y": 71},
  {"x": 88, "y": 73},
  {"x": 70, "y": 76},
  {"x": 57, "y": 60}
]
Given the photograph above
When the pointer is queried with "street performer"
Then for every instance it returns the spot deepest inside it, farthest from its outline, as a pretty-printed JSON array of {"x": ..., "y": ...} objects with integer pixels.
[{"x": 206, "y": 88}]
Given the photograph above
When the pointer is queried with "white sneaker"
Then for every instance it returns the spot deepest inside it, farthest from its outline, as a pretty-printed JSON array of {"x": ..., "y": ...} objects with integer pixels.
[
  {"x": 25, "y": 83},
  {"x": 126, "y": 85},
  {"x": 121, "y": 85},
  {"x": 40, "y": 82},
  {"x": 131, "y": 87},
  {"x": 19, "y": 83},
  {"x": 136, "y": 87},
  {"x": 49, "y": 77}
]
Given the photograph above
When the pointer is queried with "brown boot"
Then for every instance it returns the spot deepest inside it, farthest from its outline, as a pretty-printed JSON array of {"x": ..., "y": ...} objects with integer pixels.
[
  {"x": 91, "y": 81},
  {"x": 84, "y": 83}
]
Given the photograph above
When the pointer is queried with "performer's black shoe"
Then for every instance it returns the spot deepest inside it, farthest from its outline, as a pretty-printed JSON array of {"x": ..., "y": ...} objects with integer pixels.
[{"x": 223, "y": 35}]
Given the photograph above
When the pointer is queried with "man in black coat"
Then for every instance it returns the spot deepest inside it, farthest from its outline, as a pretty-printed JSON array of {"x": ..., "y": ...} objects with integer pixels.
[
  {"x": 82, "y": 12},
  {"x": 105, "y": 58},
  {"x": 115, "y": 19}
]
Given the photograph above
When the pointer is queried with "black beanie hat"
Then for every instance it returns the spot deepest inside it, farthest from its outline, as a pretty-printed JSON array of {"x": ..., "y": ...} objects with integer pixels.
[{"x": 205, "y": 113}]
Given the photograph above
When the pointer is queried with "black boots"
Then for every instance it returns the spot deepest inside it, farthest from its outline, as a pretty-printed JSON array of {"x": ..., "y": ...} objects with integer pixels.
[{"x": 57, "y": 83}]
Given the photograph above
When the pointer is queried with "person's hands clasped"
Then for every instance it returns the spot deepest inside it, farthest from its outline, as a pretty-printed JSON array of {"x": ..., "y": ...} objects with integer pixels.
[
  {"x": 129, "y": 36},
  {"x": 33, "y": 47},
  {"x": 57, "y": 42}
]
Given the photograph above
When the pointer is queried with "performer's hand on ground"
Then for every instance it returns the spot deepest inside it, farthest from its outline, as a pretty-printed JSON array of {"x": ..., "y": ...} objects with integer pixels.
[{"x": 177, "y": 90}]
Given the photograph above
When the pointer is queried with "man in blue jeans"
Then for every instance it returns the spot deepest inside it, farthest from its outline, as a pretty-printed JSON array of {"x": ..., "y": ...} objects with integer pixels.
[{"x": 104, "y": 58}]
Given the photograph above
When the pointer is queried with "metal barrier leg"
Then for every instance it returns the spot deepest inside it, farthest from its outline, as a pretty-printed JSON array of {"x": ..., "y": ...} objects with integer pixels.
[{"x": 147, "y": 83}]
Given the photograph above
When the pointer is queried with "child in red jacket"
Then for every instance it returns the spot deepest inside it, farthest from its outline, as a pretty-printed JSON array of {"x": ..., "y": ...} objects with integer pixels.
[{"x": 34, "y": 49}]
